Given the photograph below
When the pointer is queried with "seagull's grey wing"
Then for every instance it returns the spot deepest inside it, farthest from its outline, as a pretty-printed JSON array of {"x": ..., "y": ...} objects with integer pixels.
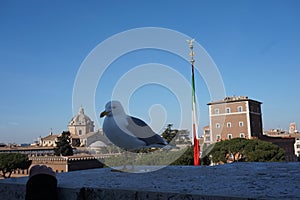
[{"x": 142, "y": 131}]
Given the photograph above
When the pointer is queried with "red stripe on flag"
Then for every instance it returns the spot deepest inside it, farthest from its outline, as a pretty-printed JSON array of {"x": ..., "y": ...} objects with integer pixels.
[{"x": 196, "y": 147}]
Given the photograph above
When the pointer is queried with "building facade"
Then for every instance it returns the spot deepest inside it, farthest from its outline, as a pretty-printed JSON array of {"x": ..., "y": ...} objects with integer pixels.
[
  {"x": 48, "y": 141},
  {"x": 297, "y": 147},
  {"x": 68, "y": 163},
  {"x": 206, "y": 134},
  {"x": 81, "y": 128},
  {"x": 81, "y": 124},
  {"x": 82, "y": 133},
  {"x": 286, "y": 142},
  {"x": 235, "y": 117},
  {"x": 292, "y": 128}
]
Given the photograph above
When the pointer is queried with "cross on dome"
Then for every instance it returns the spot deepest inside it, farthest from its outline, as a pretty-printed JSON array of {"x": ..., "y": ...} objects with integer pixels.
[{"x": 81, "y": 111}]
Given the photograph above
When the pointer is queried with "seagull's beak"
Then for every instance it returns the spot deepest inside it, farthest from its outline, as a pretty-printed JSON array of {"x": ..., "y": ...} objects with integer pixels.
[{"x": 104, "y": 113}]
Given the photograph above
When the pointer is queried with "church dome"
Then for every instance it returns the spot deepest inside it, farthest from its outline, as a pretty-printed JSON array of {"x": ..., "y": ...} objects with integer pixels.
[{"x": 80, "y": 119}]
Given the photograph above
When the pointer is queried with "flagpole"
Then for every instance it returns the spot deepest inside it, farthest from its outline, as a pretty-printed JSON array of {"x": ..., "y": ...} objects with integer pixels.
[{"x": 194, "y": 111}]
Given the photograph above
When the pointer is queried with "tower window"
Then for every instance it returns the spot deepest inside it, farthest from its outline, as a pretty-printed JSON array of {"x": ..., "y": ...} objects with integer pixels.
[
  {"x": 217, "y": 111},
  {"x": 240, "y": 109},
  {"x": 229, "y": 136},
  {"x": 80, "y": 132},
  {"x": 242, "y": 135},
  {"x": 227, "y": 110},
  {"x": 228, "y": 124},
  {"x": 241, "y": 124},
  {"x": 217, "y": 125}
]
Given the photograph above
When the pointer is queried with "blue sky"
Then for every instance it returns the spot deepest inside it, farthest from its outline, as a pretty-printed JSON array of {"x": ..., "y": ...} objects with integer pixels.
[{"x": 255, "y": 45}]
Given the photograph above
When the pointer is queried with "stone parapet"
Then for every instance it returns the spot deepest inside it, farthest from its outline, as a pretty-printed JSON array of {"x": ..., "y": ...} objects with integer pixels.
[{"x": 229, "y": 181}]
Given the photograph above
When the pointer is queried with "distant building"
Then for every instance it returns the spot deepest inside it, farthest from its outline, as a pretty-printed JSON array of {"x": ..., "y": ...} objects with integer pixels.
[
  {"x": 297, "y": 147},
  {"x": 241, "y": 117},
  {"x": 68, "y": 163},
  {"x": 48, "y": 141},
  {"x": 292, "y": 128},
  {"x": 81, "y": 124},
  {"x": 81, "y": 128},
  {"x": 286, "y": 142},
  {"x": 182, "y": 137},
  {"x": 63, "y": 163},
  {"x": 206, "y": 134},
  {"x": 2, "y": 145},
  {"x": 82, "y": 133},
  {"x": 277, "y": 131},
  {"x": 235, "y": 117}
]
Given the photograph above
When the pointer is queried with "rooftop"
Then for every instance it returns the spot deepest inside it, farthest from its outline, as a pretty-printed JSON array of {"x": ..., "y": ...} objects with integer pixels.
[{"x": 233, "y": 99}]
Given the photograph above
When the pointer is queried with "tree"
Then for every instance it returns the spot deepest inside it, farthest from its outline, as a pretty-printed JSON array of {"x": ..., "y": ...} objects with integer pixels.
[
  {"x": 63, "y": 147},
  {"x": 12, "y": 161},
  {"x": 187, "y": 157},
  {"x": 169, "y": 134},
  {"x": 240, "y": 149},
  {"x": 235, "y": 150}
]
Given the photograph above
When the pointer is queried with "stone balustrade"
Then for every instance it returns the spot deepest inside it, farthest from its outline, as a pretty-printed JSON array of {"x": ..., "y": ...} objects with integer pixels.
[{"x": 229, "y": 181}]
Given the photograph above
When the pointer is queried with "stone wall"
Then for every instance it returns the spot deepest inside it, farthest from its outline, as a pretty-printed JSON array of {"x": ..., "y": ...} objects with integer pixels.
[
  {"x": 229, "y": 181},
  {"x": 67, "y": 163}
]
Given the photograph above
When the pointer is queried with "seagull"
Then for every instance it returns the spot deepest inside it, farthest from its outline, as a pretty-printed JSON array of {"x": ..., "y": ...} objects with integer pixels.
[{"x": 127, "y": 132}]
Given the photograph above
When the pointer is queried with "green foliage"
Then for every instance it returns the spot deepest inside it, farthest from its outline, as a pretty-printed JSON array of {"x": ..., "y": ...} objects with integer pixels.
[
  {"x": 249, "y": 150},
  {"x": 12, "y": 161},
  {"x": 241, "y": 149},
  {"x": 169, "y": 134},
  {"x": 187, "y": 158},
  {"x": 157, "y": 157},
  {"x": 63, "y": 147}
]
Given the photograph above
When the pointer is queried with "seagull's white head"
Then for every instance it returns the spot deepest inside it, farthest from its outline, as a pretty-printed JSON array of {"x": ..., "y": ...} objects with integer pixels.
[{"x": 112, "y": 108}]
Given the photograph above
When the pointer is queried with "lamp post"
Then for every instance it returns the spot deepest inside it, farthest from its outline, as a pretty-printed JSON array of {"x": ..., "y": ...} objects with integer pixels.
[{"x": 194, "y": 111}]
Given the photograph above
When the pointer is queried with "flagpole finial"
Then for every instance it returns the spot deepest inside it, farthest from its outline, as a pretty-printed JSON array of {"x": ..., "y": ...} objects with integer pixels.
[{"x": 190, "y": 42}]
